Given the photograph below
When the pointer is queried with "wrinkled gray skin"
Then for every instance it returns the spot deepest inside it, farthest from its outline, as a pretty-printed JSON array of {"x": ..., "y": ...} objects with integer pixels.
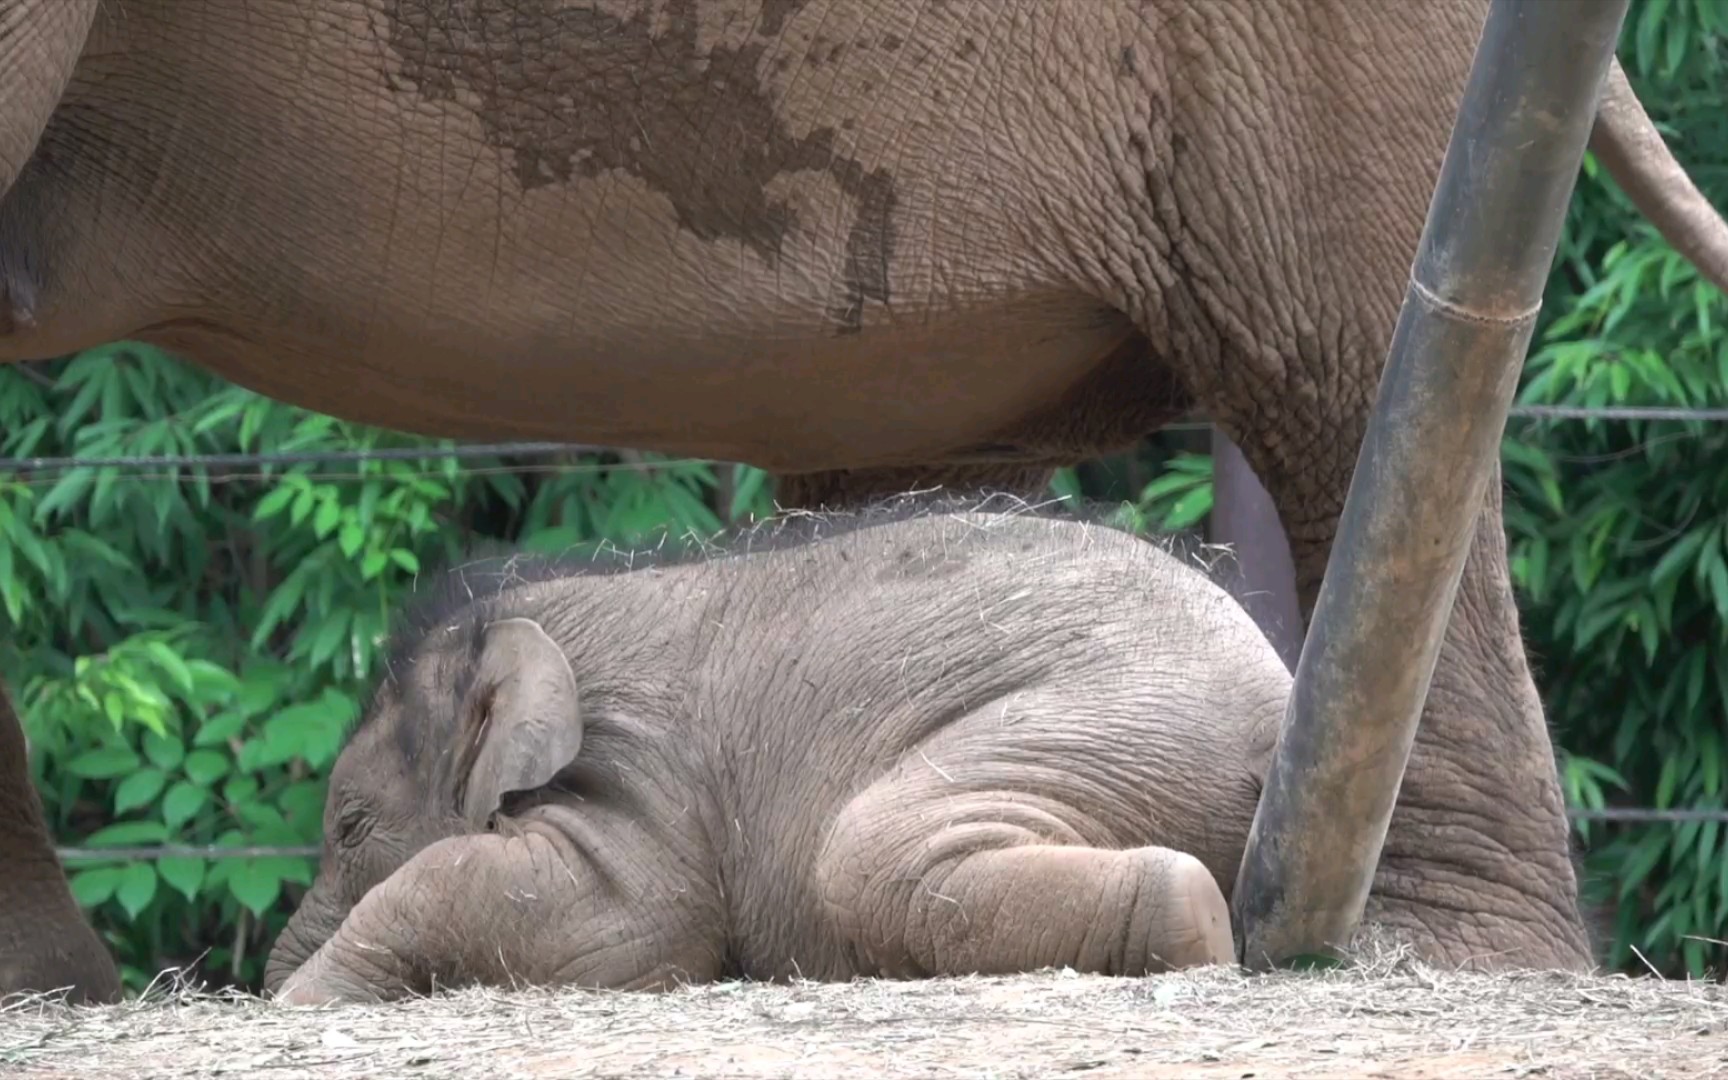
[
  {"x": 960, "y": 743},
  {"x": 871, "y": 246}
]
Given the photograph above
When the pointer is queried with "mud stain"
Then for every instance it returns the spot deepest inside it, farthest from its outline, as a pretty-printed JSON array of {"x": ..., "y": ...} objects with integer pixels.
[{"x": 572, "y": 91}]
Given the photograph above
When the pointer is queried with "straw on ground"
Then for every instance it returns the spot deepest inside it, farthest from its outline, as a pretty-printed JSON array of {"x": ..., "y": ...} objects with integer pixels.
[{"x": 1392, "y": 1018}]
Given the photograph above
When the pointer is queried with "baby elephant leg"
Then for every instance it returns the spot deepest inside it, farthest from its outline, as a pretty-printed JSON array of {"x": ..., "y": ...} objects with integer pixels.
[
  {"x": 995, "y": 883},
  {"x": 528, "y": 909}
]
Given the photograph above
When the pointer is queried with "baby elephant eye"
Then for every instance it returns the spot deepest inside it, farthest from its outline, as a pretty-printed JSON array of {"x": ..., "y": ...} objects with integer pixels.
[{"x": 352, "y": 827}]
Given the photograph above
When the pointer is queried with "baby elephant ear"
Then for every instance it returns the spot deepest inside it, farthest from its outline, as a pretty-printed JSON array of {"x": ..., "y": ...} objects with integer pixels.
[{"x": 529, "y": 726}]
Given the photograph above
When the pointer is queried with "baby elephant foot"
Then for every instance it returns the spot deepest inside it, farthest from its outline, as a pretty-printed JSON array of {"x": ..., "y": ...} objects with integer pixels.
[
  {"x": 1196, "y": 927},
  {"x": 975, "y": 898}
]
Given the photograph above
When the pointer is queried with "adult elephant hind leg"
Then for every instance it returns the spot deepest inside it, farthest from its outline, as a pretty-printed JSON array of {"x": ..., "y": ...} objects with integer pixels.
[
  {"x": 993, "y": 883},
  {"x": 45, "y": 942},
  {"x": 1476, "y": 869},
  {"x": 1478, "y": 849},
  {"x": 1288, "y": 240}
]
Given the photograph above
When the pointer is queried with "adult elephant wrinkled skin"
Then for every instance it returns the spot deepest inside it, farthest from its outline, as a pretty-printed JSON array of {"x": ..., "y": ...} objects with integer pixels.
[
  {"x": 869, "y": 246},
  {"x": 880, "y": 745}
]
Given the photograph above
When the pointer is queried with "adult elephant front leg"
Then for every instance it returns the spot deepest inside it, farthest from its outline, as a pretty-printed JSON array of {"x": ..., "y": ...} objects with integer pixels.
[{"x": 45, "y": 944}]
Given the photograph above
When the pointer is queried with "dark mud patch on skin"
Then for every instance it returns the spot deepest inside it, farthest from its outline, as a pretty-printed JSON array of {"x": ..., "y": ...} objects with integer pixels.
[
  {"x": 571, "y": 92},
  {"x": 869, "y": 246}
]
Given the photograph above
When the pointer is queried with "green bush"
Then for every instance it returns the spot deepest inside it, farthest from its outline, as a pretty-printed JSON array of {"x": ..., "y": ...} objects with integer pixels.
[{"x": 1618, "y": 529}]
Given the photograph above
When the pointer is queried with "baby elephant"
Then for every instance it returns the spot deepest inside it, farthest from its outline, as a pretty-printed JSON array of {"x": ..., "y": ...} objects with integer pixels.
[{"x": 902, "y": 746}]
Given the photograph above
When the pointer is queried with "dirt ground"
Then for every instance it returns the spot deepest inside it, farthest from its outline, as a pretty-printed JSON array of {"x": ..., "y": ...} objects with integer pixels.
[{"x": 1392, "y": 1019}]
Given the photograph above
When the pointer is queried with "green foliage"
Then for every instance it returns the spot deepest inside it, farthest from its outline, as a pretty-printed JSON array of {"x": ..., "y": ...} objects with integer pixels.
[
  {"x": 1619, "y": 531},
  {"x": 188, "y": 648},
  {"x": 1162, "y": 486},
  {"x": 1179, "y": 498}
]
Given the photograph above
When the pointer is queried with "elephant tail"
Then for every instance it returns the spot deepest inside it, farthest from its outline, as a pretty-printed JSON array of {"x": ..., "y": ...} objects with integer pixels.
[{"x": 1628, "y": 145}]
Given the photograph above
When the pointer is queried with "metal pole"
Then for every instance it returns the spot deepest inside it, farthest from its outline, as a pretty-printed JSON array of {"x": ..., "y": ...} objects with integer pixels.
[{"x": 1421, "y": 475}]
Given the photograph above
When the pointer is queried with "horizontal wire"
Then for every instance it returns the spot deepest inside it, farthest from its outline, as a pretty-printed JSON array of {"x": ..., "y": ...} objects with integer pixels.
[
  {"x": 182, "y": 851},
  {"x": 1645, "y": 813},
  {"x": 1617, "y": 412},
  {"x": 45, "y": 479},
  {"x": 551, "y": 449},
  {"x": 212, "y": 851},
  {"x": 306, "y": 457},
  {"x": 548, "y": 449}
]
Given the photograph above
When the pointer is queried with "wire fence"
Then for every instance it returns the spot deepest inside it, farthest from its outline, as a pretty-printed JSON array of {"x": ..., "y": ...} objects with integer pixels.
[
  {"x": 460, "y": 452},
  {"x": 542, "y": 450},
  {"x": 470, "y": 451},
  {"x": 185, "y": 851},
  {"x": 1620, "y": 814}
]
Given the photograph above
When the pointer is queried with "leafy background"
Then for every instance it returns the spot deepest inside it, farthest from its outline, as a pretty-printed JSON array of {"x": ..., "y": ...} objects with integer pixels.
[{"x": 188, "y": 647}]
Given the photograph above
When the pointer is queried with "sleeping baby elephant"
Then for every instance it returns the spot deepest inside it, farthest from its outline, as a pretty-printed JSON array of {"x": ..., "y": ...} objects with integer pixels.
[{"x": 902, "y": 746}]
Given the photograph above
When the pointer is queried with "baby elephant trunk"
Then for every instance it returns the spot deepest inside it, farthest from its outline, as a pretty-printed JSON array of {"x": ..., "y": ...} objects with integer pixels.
[{"x": 312, "y": 924}]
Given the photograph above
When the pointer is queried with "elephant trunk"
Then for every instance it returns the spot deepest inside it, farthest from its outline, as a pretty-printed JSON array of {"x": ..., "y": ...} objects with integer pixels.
[
  {"x": 312, "y": 924},
  {"x": 1628, "y": 145}
]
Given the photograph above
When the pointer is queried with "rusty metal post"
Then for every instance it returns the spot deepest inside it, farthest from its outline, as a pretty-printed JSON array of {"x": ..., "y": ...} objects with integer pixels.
[{"x": 1421, "y": 475}]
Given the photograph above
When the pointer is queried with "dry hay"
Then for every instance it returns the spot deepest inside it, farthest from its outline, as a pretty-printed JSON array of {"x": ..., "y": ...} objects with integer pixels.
[{"x": 1389, "y": 1018}]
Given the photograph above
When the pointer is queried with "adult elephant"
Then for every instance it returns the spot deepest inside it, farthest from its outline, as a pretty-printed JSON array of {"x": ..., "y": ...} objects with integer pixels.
[{"x": 864, "y": 245}]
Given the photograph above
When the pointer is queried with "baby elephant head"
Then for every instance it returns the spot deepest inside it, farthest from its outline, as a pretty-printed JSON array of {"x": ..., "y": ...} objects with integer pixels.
[{"x": 480, "y": 710}]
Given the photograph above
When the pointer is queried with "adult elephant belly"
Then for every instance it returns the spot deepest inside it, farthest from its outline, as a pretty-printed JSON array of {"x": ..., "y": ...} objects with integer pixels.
[
  {"x": 1043, "y": 379},
  {"x": 842, "y": 240}
]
